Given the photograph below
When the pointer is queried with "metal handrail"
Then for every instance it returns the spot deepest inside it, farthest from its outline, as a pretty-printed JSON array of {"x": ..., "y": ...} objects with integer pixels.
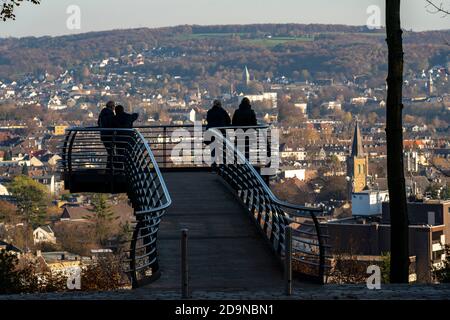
[
  {"x": 82, "y": 152},
  {"x": 271, "y": 214},
  {"x": 159, "y": 139},
  {"x": 267, "y": 190}
]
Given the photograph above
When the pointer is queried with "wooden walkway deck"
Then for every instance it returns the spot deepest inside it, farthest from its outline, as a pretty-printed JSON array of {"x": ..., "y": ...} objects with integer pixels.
[{"x": 225, "y": 250}]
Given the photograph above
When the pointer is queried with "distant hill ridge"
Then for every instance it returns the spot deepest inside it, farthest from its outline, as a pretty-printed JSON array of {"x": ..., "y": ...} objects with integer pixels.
[{"x": 34, "y": 55}]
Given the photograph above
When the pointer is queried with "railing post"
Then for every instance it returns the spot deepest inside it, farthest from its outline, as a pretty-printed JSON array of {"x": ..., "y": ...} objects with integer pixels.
[
  {"x": 321, "y": 275},
  {"x": 288, "y": 260},
  {"x": 69, "y": 158},
  {"x": 184, "y": 265},
  {"x": 164, "y": 146}
]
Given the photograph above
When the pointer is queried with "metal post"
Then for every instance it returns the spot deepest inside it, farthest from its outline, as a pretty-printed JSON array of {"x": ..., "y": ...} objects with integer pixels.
[
  {"x": 184, "y": 265},
  {"x": 288, "y": 260},
  {"x": 164, "y": 147}
]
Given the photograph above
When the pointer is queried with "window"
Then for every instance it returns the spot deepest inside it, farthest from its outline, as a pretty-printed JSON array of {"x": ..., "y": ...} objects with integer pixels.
[{"x": 431, "y": 218}]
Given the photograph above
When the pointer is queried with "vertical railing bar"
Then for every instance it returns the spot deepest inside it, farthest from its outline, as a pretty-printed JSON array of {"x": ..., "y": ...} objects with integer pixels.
[
  {"x": 184, "y": 265},
  {"x": 164, "y": 147},
  {"x": 288, "y": 260}
]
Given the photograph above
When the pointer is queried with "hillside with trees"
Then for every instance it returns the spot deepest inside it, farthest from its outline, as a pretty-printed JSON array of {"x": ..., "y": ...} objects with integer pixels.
[{"x": 294, "y": 50}]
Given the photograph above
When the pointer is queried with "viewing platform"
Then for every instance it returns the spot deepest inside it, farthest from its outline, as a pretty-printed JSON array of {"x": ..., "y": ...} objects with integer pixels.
[{"x": 236, "y": 227}]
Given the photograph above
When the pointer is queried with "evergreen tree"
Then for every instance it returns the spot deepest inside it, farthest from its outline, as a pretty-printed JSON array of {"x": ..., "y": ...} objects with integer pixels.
[
  {"x": 32, "y": 199},
  {"x": 103, "y": 217},
  {"x": 25, "y": 170},
  {"x": 8, "y": 155}
]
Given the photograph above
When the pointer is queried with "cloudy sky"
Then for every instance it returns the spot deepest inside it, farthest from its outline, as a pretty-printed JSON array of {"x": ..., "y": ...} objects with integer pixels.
[{"x": 50, "y": 18}]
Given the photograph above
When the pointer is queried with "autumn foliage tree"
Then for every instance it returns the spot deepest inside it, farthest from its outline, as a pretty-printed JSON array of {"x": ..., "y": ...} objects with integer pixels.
[{"x": 105, "y": 274}]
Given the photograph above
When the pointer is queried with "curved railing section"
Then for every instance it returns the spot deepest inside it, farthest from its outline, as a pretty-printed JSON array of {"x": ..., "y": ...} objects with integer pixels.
[
  {"x": 272, "y": 216},
  {"x": 117, "y": 161}
]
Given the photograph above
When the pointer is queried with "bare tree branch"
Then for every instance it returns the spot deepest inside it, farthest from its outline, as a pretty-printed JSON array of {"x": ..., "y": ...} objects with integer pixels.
[
  {"x": 8, "y": 7},
  {"x": 437, "y": 8},
  {"x": 434, "y": 8}
]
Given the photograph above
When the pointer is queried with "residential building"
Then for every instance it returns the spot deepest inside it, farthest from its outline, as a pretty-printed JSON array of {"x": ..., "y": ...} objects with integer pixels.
[
  {"x": 60, "y": 130},
  {"x": 368, "y": 202},
  {"x": 371, "y": 236},
  {"x": 44, "y": 234},
  {"x": 76, "y": 214},
  {"x": 295, "y": 173}
]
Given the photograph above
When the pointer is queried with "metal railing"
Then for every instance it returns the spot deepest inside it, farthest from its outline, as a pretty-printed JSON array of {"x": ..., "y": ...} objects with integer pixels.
[
  {"x": 162, "y": 140},
  {"x": 272, "y": 216},
  {"x": 137, "y": 154},
  {"x": 122, "y": 157}
]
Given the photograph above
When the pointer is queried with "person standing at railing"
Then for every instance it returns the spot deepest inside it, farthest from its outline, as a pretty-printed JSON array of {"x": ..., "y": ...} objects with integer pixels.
[
  {"x": 123, "y": 120},
  {"x": 216, "y": 117},
  {"x": 245, "y": 116},
  {"x": 106, "y": 120}
]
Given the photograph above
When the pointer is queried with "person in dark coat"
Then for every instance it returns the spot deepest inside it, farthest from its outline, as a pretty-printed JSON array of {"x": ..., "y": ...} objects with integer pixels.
[
  {"x": 123, "y": 120},
  {"x": 106, "y": 116},
  {"x": 244, "y": 115},
  {"x": 217, "y": 116},
  {"x": 106, "y": 120}
]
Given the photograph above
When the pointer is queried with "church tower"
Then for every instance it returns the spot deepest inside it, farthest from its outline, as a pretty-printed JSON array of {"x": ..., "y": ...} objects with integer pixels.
[
  {"x": 246, "y": 77},
  {"x": 430, "y": 86},
  {"x": 357, "y": 164}
]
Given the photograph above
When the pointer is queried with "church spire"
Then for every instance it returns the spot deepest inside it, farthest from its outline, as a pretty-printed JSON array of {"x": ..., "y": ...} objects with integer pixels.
[
  {"x": 430, "y": 85},
  {"x": 357, "y": 145},
  {"x": 246, "y": 76}
]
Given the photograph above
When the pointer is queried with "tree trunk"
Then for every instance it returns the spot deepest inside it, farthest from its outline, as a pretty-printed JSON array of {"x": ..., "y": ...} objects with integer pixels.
[{"x": 394, "y": 136}]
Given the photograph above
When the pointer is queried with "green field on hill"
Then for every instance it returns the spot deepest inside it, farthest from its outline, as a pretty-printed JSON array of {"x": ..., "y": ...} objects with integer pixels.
[
  {"x": 275, "y": 41},
  {"x": 267, "y": 42},
  {"x": 199, "y": 36}
]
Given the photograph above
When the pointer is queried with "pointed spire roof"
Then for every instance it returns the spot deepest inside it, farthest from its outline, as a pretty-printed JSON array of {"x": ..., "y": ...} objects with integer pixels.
[
  {"x": 357, "y": 145},
  {"x": 246, "y": 75}
]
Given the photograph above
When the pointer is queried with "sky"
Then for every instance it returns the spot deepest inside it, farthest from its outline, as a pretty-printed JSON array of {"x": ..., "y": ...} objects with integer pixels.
[{"x": 51, "y": 17}]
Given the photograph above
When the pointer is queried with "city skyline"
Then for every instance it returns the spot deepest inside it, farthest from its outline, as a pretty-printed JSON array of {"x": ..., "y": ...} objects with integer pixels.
[{"x": 50, "y": 17}]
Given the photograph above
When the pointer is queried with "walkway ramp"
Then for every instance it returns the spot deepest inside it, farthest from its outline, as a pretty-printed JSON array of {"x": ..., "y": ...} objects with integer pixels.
[{"x": 225, "y": 249}]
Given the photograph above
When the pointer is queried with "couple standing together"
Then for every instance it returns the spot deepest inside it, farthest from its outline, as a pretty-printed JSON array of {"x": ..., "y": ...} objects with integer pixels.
[
  {"x": 242, "y": 117},
  {"x": 113, "y": 116}
]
